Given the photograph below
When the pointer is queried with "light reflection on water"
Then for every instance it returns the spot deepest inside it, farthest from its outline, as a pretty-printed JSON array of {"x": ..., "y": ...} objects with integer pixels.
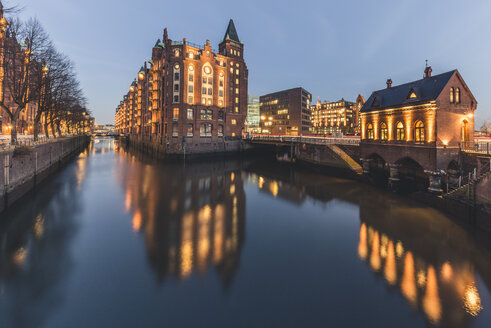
[{"x": 253, "y": 243}]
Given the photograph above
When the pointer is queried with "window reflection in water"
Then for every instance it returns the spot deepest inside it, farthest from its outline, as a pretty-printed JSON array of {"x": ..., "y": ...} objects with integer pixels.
[
  {"x": 192, "y": 223},
  {"x": 421, "y": 283}
]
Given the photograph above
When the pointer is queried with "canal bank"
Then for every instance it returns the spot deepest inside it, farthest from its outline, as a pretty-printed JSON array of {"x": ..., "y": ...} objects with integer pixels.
[{"x": 25, "y": 167}]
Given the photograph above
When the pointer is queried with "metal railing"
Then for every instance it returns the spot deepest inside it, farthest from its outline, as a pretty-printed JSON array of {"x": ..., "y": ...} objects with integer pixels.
[
  {"x": 482, "y": 147},
  {"x": 355, "y": 141},
  {"x": 27, "y": 141}
]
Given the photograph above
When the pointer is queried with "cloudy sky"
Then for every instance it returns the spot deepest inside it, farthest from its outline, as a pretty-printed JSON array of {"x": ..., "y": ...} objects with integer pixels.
[{"x": 334, "y": 49}]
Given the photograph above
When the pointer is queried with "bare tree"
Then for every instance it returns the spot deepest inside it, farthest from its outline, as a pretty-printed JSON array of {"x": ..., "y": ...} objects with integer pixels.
[{"x": 21, "y": 66}]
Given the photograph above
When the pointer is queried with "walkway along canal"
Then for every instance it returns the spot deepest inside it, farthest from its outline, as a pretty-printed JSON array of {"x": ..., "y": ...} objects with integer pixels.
[{"x": 118, "y": 240}]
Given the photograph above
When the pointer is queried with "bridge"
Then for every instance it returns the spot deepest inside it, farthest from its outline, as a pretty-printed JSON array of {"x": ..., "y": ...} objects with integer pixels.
[
  {"x": 339, "y": 152},
  {"x": 471, "y": 162}
]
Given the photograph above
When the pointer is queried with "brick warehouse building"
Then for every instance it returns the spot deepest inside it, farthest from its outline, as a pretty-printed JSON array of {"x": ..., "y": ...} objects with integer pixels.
[
  {"x": 334, "y": 117},
  {"x": 285, "y": 112},
  {"x": 188, "y": 98},
  {"x": 416, "y": 129}
]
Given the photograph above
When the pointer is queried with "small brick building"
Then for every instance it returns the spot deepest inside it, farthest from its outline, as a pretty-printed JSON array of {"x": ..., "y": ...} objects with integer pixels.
[{"x": 418, "y": 126}]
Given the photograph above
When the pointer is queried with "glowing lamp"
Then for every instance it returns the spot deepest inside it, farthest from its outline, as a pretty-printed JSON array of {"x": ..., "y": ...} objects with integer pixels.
[
  {"x": 470, "y": 115},
  {"x": 132, "y": 89},
  {"x": 141, "y": 76}
]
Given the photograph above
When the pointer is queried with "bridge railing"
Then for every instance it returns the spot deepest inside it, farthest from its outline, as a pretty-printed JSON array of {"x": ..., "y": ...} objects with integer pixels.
[
  {"x": 355, "y": 141},
  {"x": 483, "y": 147}
]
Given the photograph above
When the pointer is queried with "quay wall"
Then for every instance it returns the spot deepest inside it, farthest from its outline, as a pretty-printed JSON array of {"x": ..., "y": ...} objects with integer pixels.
[
  {"x": 162, "y": 147},
  {"x": 25, "y": 167}
]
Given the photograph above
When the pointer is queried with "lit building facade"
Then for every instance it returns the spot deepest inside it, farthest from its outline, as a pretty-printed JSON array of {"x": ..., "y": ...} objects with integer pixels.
[
  {"x": 419, "y": 125},
  {"x": 286, "y": 112},
  {"x": 334, "y": 117},
  {"x": 188, "y": 97},
  {"x": 252, "y": 119}
]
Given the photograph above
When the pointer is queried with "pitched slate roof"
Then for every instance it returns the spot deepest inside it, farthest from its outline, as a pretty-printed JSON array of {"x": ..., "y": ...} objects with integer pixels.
[
  {"x": 426, "y": 90},
  {"x": 231, "y": 32}
]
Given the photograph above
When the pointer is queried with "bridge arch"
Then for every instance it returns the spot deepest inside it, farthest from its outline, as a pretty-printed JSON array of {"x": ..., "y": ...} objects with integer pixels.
[
  {"x": 412, "y": 175},
  {"x": 378, "y": 169}
]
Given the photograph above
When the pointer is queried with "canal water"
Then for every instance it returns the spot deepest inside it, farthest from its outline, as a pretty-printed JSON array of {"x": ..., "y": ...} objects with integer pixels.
[{"x": 116, "y": 240}]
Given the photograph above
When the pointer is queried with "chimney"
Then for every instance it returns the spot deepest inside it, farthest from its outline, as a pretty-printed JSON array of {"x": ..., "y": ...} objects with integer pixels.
[
  {"x": 428, "y": 72},
  {"x": 389, "y": 83},
  {"x": 166, "y": 37}
]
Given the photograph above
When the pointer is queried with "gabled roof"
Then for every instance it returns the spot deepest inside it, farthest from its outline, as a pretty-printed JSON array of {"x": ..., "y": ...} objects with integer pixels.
[
  {"x": 426, "y": 90},
  {"x": 231, "y": 32}
]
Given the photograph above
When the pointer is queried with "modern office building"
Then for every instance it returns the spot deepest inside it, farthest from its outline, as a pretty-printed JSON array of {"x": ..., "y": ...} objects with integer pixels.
[
  {"x": 286, "y": 112},
  {"x": 252, "y": 119},
  {"x": 339, "y": 117}
]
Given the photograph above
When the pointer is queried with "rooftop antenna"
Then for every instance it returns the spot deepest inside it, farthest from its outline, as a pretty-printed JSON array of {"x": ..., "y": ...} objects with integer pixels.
[{"x": 426, "y": 60}]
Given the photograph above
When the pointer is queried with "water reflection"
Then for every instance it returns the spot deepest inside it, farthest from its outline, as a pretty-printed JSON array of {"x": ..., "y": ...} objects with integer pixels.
[
  {"x": 192, "y": 216},
  {"x": 35, "y": 259},
  {"x": 433, "y": 262}
]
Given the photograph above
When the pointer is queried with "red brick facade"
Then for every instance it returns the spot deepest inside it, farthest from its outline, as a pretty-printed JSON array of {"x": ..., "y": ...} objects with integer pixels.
[{"x": 189, "y": 94}]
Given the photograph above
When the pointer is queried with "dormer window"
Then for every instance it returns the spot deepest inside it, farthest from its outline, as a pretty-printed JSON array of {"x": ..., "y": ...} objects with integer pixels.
[
  {"x": 375, "y": 102},
  {"x": 412, "y": 95}
]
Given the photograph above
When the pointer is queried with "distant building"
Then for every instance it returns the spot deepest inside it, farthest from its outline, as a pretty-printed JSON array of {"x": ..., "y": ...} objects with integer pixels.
[
  {"x": 286, "y": 112},
  {"x": 334, "y": 117},
  {"x": 252, "y": 118}
]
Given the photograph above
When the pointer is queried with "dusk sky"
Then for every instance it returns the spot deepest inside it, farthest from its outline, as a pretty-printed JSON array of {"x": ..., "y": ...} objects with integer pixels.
[{"x": 334, "y": 49}]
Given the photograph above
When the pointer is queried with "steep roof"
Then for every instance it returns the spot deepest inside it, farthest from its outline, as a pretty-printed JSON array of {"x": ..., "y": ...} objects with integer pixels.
[
  {"x": 231, "y": 32},
  {"x": 426, "y": 89}
]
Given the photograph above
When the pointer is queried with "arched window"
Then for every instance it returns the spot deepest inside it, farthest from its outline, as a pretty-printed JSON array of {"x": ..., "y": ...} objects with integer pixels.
[
  {"x": 369, "y": 131},
  {"x": 400, "y": 131},
  {"x": 419, "y": 132},
  {"x": 452, "y": 95},
  {"x": 457, "y": 96},
  {"x": 384, "y": 134}
]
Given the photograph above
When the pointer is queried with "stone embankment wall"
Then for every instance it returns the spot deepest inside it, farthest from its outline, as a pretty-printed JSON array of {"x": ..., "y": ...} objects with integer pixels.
[
  {"x": 184, "y": 146},
  {"x": 483, "y": 190},
  {"x": 25, "y": 167}
]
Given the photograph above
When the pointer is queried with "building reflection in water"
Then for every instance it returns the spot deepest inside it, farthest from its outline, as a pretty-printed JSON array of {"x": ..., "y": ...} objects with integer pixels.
[
  {"x": 192, "y": 223},
  {"x": 431, "y": 261},
  {"x": 443, "y": 292}
]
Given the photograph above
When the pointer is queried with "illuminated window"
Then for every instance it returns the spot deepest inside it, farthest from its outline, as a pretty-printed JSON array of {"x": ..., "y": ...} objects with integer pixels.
[
  {"x": 419, "y": 132},
  {"x": 175, "y": 113},
  {"x": 384, "y": 134},
  {"x": 457, "y": 96},
  {"x": 220, "y": 130},
  {"x": 234, "y": 122},
  {"x": 452, "y": 95},
  {"x": 190, "y": 114},
  {"x": 190, "y": 130},
  {"x": 236, "y": 109},
  {"x": 206, "y": 114},
  {"x": 205, "y": 130},
  {"x": 236, "y": 100},
  {"x": 236, "y": 90},
  {"x": 369, "y": 131},
  {"x": 176, "y": 53},
  {"x": 400, "y": 131}
]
